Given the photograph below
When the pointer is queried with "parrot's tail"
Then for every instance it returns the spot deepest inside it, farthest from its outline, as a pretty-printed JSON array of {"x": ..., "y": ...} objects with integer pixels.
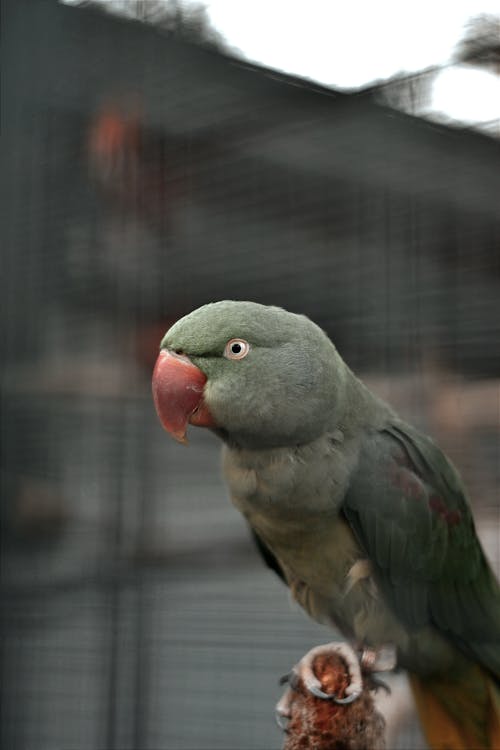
[{"x": 462, "y": 714}]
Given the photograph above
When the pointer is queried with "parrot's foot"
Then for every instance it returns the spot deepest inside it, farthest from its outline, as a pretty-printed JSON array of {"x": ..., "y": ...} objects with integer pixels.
[
  {"x": 368, "y": 661},
  {"x": 380, "y": 660},
  {"x": 375, "y": 683},
  {"x": 304, "y": 671},
  {"x": 283, "y": 710}
]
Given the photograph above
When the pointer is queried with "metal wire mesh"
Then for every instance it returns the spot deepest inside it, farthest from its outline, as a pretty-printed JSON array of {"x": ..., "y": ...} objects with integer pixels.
[{"x": 144, "y": 177}]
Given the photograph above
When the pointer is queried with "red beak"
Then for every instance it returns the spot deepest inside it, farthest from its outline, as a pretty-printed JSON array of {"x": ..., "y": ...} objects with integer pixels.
[{"x": 178, "y": 394}]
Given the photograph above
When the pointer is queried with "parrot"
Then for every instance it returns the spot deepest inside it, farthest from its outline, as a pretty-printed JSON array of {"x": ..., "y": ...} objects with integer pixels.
[{"x": 362, "y": 516}]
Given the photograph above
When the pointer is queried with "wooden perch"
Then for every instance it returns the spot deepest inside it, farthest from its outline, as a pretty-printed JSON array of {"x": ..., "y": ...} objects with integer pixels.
[{"x": 317, "y": 724}]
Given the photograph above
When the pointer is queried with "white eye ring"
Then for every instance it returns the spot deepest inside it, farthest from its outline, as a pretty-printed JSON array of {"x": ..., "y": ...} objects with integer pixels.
[{"x": 236, "y": 349}]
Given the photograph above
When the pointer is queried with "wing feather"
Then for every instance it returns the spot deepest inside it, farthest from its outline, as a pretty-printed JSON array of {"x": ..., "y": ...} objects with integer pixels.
[
  {"x": 268, "y": 557},
  {"x": 407, "y": 506}
]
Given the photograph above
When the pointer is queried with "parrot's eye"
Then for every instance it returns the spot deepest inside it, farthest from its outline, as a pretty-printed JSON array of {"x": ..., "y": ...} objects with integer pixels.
[{"x": 236, "y": 349}]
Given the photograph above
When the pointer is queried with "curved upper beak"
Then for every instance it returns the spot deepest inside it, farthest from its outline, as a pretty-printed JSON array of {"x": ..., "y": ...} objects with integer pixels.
[{"x": 178, "y": 394}]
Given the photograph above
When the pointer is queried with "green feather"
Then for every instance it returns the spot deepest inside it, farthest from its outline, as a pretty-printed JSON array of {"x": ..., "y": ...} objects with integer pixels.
[{"x": 442, "y": 577}]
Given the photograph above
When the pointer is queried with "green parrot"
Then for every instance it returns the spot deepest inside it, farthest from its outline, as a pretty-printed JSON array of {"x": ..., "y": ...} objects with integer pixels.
[{"x": 363, "y": 517}]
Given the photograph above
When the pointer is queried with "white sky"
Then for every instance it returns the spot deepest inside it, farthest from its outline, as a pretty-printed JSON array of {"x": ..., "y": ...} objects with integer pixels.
[
  {"x": 346, "y": 44},
  {"x": 468, "y": 95},
  {"x": 350, "y": 44}
]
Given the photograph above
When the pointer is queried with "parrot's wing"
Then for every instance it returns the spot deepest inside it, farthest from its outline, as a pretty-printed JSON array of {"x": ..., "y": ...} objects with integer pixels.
[
  {"x": 406, "y": 505},
  {"x": 268, "y": 557}
]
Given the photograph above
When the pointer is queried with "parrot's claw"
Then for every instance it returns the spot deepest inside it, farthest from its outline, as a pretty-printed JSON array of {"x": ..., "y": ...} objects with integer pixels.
[
  {"x": 332, "y": 697},
  {"x": 320, "y": 693},
  {"x": 365, "y": 661},
  {"x": 281, "y": 721},
  {"x": 304, "y": 671},
  {"x": 375, "y": 683},
  {"x": 290, "y": 678},
  {"x": 313, "y": 685},
  {"x": 283, "y": 710}
]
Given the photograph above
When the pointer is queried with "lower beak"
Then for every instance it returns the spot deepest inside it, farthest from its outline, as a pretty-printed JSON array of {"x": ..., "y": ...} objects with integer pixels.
[{"x": 178, "y": 394}]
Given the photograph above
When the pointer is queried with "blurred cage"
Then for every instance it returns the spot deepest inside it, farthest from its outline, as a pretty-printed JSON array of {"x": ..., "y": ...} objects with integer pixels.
[{"x": 144, "y": 176}]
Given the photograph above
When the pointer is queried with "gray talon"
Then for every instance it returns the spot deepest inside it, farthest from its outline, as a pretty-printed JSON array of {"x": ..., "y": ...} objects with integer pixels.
[
  {"x": 303, "y": 672},
  {"x": 291, "y": 678},
  {"x": 320, "y": 694},
  {"x": 281, "y": 721},
  {"x": 332, "y": 697},
  {"x": 375, "y": 683},
  {"x": 347, "y": 699}
]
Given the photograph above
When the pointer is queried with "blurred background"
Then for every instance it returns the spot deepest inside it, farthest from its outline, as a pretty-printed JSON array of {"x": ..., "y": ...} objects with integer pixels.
[{"x": 149, "y": 166}]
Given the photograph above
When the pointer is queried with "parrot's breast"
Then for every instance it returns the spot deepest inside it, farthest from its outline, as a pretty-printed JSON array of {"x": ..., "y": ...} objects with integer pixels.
[{"x": 292, "y": 499}]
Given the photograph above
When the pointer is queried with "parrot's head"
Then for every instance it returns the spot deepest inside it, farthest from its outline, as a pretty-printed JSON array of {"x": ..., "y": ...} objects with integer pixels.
[{"x": 258, "y": 376}]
